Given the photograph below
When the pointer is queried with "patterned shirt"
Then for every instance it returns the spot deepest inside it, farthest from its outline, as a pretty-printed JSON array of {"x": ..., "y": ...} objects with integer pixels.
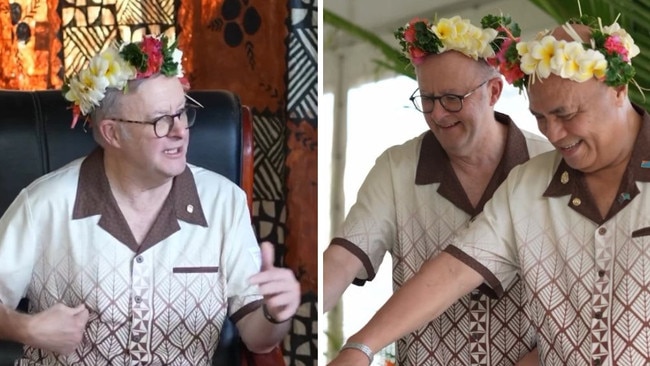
[
  {"x": 410, "y": 205},
  {"x": 588, "y": 277},
  {"x": 64, "y": 240}
]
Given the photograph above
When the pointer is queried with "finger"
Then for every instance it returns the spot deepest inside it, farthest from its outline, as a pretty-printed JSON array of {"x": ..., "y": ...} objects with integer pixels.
[
  {"x": 268, "y": 255},
  {"x": 79, "y": 309},
  {"x": 273, "y": 275}
]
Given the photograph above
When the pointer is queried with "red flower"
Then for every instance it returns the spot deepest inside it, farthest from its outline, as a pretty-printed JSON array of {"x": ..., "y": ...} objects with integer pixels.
[
  {"x": 417, "y": 55},
  {"x": 409, "y": 34},
  {"x": 511, "y": 72},
  {"x": 152, "y": 47}
]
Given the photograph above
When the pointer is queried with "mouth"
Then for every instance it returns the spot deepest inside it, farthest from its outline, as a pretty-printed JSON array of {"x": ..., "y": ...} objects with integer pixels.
[
  {"x": 570, "y": 147},
  {"x": 447, "y": 125},
  {"x": 174, "y": 151}
]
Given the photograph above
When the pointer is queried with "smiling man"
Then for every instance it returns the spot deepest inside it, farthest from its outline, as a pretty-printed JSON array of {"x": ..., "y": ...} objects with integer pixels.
[
  {"x": 419, "y": 194},
  {"x": 572, "y": 224}
]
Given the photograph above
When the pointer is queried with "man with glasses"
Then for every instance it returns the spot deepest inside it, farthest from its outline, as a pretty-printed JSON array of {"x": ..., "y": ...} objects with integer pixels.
[
  {"x": 131, "y": 256},
  {"x": 573, "y": 223},
  {"x": 420, "y": 193}
]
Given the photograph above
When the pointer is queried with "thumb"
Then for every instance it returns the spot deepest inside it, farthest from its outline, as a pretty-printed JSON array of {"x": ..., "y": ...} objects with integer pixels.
[
  {"x": 78, "y": 309},
  {"x": 268, "y": 255}
]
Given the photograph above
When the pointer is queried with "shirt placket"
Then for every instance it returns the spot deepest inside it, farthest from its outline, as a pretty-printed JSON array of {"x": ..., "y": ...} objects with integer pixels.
[
  {"x": 141, "y": 310},
  {"x": 478, "y": 323},
  {"x": 601, "y": 298}
]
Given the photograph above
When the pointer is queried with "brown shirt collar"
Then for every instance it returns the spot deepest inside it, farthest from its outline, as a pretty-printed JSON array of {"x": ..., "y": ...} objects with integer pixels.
[
  {"x": 434, "y": 167},
  {"x": 568, "y": 181},
  {"x": 94, "y": 197}
]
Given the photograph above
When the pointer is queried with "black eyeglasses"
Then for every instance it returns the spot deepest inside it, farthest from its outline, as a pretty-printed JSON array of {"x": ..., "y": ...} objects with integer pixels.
[
  {"x": 163, "y": 125},
  {"x": 450, "y": 102}
]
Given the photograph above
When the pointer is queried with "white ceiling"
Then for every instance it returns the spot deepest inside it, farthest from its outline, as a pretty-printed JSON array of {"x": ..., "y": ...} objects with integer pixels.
[{"x": 349, "y": 61}]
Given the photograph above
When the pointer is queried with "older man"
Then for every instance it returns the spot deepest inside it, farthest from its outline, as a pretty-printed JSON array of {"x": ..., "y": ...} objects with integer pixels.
[
  {"x": 130, "y": 256},
  {"x": 573, "y": 223},
  {"x": 420, "y": 193}
]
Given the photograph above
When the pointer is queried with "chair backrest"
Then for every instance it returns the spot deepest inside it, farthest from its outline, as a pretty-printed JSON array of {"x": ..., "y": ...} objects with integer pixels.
[{"x": 35, "y": 138}]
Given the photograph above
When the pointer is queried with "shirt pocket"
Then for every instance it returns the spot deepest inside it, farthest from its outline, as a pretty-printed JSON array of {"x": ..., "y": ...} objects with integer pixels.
[
  {"x": 208, "y": 269},
  {"x": 641, "y": 232}
]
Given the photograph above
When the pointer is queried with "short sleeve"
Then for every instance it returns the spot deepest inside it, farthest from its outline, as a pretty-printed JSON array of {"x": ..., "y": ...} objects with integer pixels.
[
  {"x": 369, "y": 230},
  {"x": 18, "y": 251},
  {"x": 488, "y": 244}
]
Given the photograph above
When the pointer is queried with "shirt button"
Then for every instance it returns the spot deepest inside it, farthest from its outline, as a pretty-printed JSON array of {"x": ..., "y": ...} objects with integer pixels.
[
  {"x": 597, "y": 362},
  {"x": 576, "y": 201},
  {"x": 602, "y": 231},
  {"x": 598, "y": 315},
  {"x": 601, "y": 273},
  {"x": 138, "y": 299},
  {"x": 139, "y": 259},
  {"x": 135, "y": 338}
]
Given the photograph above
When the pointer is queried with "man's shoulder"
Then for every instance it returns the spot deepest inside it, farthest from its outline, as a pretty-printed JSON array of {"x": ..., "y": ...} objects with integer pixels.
[
  {"x": 63, "y": 178},
  {"x": 536, "y": 144},
  {"x": 208, "y": 181}
]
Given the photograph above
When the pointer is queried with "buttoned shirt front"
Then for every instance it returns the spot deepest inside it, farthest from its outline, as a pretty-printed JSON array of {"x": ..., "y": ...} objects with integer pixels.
[
  {"x": 162, "y": 302},
  {"x": 410, "y": 205},
  {"x": 588, "y": 276}
]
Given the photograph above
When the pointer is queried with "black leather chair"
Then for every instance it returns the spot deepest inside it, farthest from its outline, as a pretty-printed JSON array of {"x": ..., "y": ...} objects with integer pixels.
[{"x": 35, "y": 138}]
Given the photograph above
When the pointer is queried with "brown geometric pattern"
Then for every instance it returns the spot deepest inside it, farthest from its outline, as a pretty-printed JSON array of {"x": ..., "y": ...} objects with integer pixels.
[
  {"x": 416, "y": 224},
  {"x": 589, "y": 282}
]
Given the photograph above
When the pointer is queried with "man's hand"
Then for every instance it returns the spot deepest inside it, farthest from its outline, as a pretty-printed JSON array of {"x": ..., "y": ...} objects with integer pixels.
[
  {"x": 279, "y": 286},
  {"x": 59, "y": 329}
]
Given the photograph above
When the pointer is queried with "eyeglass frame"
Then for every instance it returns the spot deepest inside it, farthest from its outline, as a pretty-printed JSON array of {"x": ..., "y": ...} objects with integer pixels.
[
  {"x": 439, "y": 99},
  {"x": 158, "y": 119}
]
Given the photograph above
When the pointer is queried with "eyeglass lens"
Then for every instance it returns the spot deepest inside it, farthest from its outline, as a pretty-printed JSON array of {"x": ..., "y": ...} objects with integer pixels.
[
  {"x": 450, "y": 102},
  {"x": 165, "y": 124}
]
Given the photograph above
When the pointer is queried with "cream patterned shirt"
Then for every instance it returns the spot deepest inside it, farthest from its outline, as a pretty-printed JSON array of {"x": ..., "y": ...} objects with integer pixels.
[
  {"x": 410, "y": 205},
  {"x": 587, "y": 276},
  {"x": 64, "y": 240}
]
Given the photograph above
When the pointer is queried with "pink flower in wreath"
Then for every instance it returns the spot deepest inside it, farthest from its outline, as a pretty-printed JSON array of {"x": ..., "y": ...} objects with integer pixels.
[
  {"x": 417, "y": 55},
  {"x": 152, "y": 47},
  {"x": 614, "y": 45}
]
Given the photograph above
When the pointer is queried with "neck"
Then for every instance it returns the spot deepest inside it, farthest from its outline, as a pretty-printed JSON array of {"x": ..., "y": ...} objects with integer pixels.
[
  {"x": 130, "y": 188},
  {"x": 487, "y": 151}
]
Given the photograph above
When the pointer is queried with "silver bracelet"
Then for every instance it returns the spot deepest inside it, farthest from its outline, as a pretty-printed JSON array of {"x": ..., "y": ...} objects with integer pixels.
[{"x": 361, "y": 347}]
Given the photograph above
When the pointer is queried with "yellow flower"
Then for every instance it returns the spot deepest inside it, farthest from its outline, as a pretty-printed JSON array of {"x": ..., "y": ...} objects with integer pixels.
[
  {"x": 445, "y": 28},
  {"x": 117, "y": 71},
  {"x": 543, "y": 51},
  {"x": 591, "y": 64}
]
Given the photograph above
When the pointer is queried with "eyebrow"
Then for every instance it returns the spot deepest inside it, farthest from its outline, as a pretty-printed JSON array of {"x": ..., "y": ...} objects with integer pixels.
[
  {"x": 556, "y": 111},
  {"x": 160, "y": 113}
]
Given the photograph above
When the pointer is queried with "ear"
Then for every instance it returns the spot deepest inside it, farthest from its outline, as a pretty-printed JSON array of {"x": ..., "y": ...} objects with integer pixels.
[
  {"x": 621, "y": 94},
  {"x": 109, "y": 132},
  {"x": 495, "y": 87}
]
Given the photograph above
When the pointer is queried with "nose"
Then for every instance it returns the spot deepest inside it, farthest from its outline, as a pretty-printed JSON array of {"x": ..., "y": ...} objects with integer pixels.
[
  {"x": 438, "y": 112},
  {"x": 179, "y": 128},
  {"x": 553, "y": 130}
]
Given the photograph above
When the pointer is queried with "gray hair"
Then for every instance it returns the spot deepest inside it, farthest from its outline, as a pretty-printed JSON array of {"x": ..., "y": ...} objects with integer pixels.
[{"x": 111, "y": 107}]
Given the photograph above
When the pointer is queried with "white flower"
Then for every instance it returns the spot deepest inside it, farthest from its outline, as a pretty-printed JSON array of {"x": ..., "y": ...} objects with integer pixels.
[{"x": 177, "y": 56}]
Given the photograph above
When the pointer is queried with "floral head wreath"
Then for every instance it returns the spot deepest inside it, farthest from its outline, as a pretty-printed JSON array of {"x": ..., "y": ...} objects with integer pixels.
[
  {"x": 495, "y": 42},
  {"x": 607, "y": 56},
  {"x": 114, "y": 68}
]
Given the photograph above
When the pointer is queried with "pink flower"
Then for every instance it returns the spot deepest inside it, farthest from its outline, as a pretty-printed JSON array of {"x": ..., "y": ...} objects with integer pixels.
[
  {"x": 152, "y": 47},
  {"x": 614, "y": 45},
  {"x": 409, "y": 32}
]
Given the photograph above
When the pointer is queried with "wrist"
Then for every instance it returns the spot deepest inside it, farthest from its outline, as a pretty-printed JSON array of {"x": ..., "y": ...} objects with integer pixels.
[
  {"x": 270, "y": 317},
  {"x": 360, "y": 347}
]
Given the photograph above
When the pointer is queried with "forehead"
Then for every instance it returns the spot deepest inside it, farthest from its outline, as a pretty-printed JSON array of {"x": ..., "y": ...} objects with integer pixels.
[
  {"x": 554, "y": 93},
  {"x": 448, "y": 70},
  {"x": 157, "y": 93}
]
